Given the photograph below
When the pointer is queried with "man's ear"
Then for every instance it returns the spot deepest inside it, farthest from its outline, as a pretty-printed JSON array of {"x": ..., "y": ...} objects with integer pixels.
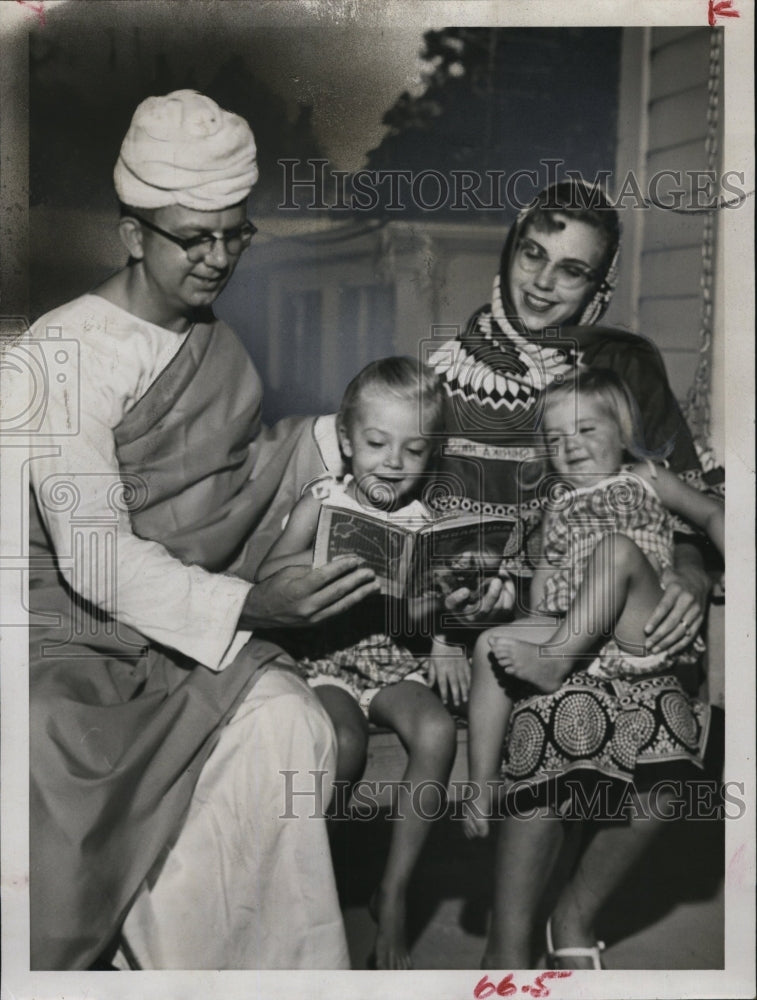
[
  {"x": 131, "y": 235},
  {"x": 344, "y": 441}
]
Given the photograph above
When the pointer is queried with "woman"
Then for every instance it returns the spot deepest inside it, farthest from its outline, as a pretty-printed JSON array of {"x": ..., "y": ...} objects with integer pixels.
[
  {"x": 555, "y": 281},
  {"x": 556, "y": 278}
]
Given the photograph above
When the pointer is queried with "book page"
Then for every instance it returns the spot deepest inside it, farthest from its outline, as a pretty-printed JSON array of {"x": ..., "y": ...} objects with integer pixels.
[{"x": 382, "y": 545}]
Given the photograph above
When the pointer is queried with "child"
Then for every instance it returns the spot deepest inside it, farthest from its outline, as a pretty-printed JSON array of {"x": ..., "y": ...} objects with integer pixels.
[
  {"x": 607, "y": 537},
  {"x": 355, "y": 663}
]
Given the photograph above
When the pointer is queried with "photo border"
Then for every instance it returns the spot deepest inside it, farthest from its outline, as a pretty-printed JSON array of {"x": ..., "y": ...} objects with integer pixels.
[{"x": 737, "y": 302}]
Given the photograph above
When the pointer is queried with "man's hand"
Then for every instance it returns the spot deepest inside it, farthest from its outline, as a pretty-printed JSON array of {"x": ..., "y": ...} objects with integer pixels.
[
  {"x": 678, "y": 617},
  {"x": 298, "y": 596}
]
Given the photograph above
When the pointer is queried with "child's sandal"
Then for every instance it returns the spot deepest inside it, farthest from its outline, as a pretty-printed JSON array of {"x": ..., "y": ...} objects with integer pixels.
[{"x": 592, "y": 952}]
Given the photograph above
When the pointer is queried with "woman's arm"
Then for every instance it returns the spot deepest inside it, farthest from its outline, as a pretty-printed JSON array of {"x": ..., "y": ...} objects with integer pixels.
[
  {"x": 294, "y": 547},
  {"x": 702, "y": 510},
  {"x": 680, "y": 614}
]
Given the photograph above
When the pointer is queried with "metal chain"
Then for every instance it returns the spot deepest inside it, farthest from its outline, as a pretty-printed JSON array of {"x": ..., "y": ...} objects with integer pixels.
[{"x": 697, "y": 407}]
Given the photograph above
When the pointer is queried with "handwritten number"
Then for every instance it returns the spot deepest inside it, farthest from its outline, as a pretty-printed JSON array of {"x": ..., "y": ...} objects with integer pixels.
[
  {"x": 539, "y": 989},
  {"x": 486, "y": 988},
  {"x": 506, "y": 987}
]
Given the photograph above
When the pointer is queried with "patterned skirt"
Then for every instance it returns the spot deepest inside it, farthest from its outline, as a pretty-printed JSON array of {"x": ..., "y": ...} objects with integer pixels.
[{"x": 591, "y": 730}]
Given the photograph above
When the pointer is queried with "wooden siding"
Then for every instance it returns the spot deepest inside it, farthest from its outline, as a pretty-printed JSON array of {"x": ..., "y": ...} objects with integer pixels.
[
  {"x": 662, "y": 264},
  {"x": 669, "y": 265}
]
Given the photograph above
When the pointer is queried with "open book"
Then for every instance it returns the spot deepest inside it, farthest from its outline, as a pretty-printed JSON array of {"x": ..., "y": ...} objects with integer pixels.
[{"x": 411, "y": 558}]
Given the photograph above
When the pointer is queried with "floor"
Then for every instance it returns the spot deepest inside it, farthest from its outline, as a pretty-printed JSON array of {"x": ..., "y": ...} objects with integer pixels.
[{"x": 669, "y": 914}]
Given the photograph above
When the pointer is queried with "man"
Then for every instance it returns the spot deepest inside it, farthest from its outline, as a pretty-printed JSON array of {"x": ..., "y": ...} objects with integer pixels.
[{"x": 160, "y": 725}]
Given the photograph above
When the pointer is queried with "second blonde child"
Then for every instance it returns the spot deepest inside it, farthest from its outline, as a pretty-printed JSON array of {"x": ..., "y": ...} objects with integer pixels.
[{"x": 607, "y": 538}]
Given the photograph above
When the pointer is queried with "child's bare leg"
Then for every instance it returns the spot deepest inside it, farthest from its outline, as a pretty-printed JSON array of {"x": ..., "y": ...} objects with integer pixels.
[
  {"x": 488, "y": 711},
  {"x": 351, "y": 729},
  {"x": 617, "y": 595},
  {"x": 427, "y": 732}
]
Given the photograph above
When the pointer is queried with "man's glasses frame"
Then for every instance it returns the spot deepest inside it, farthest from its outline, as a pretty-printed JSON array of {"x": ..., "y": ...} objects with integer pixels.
[{"x": 235, "y": 241}]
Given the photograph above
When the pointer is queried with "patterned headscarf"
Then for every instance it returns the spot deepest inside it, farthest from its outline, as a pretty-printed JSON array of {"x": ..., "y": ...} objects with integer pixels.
[
  {"x": 527, "y": 362},
  {"x": 576, "y": 199}
]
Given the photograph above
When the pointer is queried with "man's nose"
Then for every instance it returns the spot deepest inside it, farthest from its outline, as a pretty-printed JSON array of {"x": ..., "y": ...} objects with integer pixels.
[{"x": 219, "y": 255}]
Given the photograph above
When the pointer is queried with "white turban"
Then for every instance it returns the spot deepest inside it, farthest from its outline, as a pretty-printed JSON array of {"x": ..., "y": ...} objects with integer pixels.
[{"x": 182, "y": 149}]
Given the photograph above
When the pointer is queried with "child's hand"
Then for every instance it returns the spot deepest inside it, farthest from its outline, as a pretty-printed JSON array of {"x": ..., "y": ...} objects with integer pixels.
[
  {"x": 465, "y": 570},
  {"x": 470, "y": 570},
  {"x": 449, "y": 669},
  {"x": 494, "y": 604}
]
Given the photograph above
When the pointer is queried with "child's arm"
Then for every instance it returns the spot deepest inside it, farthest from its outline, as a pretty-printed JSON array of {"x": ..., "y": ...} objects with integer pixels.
[
  {"x": 541, "y": 569},
  {"x": 295, "y": 545},
  {"x": 706, "y": 512},
  {"x": 449, "y": 670}
]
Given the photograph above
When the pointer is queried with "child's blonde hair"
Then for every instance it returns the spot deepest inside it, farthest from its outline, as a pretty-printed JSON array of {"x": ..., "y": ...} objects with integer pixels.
[
  {"x": 401, "y": 376},
  {"x": 615, "y": 398}
]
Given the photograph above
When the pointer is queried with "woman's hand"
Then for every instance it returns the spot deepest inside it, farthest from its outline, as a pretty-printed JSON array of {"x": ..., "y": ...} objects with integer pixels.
[
  {"x": 298, "y": 596},
  {"x": 678, "y": 617},
  {"x": 449, "y": 669}
]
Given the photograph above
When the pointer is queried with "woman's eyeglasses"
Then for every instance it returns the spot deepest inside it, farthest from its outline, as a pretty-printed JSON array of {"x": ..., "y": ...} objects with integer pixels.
[
  {"x": 532, "y": 258},
  {"x": 197, "y": 247}
]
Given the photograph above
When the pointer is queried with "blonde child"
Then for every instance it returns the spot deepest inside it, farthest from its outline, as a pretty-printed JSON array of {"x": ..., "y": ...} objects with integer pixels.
[
  {"x": 362, "y": 666},
  {"x": 607, "y": 537}
]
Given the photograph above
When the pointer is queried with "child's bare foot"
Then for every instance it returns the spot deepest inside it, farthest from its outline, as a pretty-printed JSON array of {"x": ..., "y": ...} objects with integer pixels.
[
  {"x": 390, "y": 951},
  {"x": 479, "y": 808},
  {"x": 475, "y": 821},
  {"x": 527, "y": 662}
]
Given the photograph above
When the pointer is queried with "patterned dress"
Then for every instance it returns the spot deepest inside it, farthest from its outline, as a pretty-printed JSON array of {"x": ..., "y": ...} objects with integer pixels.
[{"x": 577, "y": 520}]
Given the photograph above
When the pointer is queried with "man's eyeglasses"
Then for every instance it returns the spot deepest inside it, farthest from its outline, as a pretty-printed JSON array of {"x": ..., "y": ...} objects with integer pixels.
[
  {"x": 197, "y": 247},
  {"x": 532, "y": 258}
]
